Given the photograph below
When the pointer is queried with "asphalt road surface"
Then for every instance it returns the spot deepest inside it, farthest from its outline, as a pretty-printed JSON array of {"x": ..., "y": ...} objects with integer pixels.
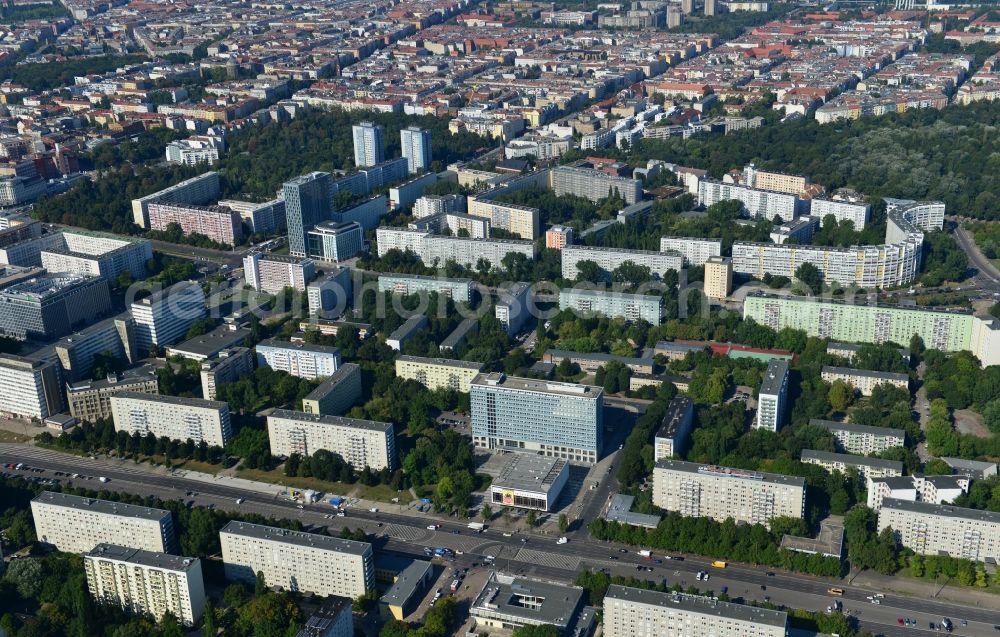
[{"x": 537, "y": 555}]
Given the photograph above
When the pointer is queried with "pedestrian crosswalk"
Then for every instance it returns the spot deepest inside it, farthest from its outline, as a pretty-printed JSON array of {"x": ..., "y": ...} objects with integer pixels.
[
  {"x": 554, "y": 560},
  {"x": 404, "y": 532}
]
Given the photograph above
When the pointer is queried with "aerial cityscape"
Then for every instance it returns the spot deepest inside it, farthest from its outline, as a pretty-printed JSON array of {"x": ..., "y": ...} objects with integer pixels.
[{"x": 502, "y": 318}]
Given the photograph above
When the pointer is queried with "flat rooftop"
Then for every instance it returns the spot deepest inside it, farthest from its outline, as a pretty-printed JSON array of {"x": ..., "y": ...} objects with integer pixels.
[
  {"x": 849, "y": 459},
  {"x": 498, "y": 379},
  {"x": 443, "y": 362},
  {"x": 861, "y": 429},
  {"x": 774, "y": 377},
  {"x": 107, "y": 507},
  {"x": 571, "y": 292},
  {"x": 133, "y": 375},
  {"x": 711, "y": 470},
  {"x": 867, "y": 373},
  {"x": 298, "y": 538},
  {"x": 144, "y": 558},
  {"x": 501, "y": 594},
  {"x": 598, "y": 356},
  {"x": 620, "y": 510},
  {"x": 329, "y": 385},
  {"x": 679, "y": 410},
  {"x": 335, "y": 421},
  {"x": 698, "y": 604},
  {"x": 423, "y": 277},
  {"x": 210, "y": 344},
  {"x": 408, "y": 583},
  {"x": 942, "y": 510},
  {"x": 302, "y": 347},
  {"x": 811, "y": 300},
  {"x": 201, "y": 403},
  {"x": 528, "y": 472}
]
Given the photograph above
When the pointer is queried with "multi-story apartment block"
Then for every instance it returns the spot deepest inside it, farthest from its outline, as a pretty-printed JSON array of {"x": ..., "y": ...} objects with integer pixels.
[
  {"x": 361, "y": 443},
  {"x": 975, "y": 469},
  {"x": 29, "y": 388},
  {"x": 863, "y": 380},
  {"x": 855, "y": 212},
  {"x": 559, "y": 420},
  {"x": 430, "y": 205},
  {"x": 694, "y": 251},
  {"x": 757, "y": 204},
  {"x": 513, "y": 306},
  {"x": 594, "y": 184},
  {"x": 772, "y": 396},
  {"x": 218, "y": 223},
  {"x": 74, "y": 524},
  {"x": 335, "y": 241},
  {"x": 404, "y": 195},
  {"x": 50, "y": 306},
  {"x": 146, "y": 583},
  {"x": 866, "y": 467},
  {"x": 369, "y": 144},
  {"x": 438, "y": 373},
  {"x": 337, "y": 394},
  {"x": 938, "y": 529},
  {"x": 297, "y": 561},
  {"x": 331, "y": 293},
  {"x": 458, "y": 290},
  {"x": 671, "y": 437},
  {"x": 163, "y": 318},
  {"x": 227, "y": 366},
  {"x": 416, "y": 144},
  {"x": 949, "y": 331},
  {"x": 636, "y": 612},
  {"x": 406, "y": 331},
  {"x": 95, "y": 254},
  {"x": 299, "y": 359},
  {"x": 76, "y": 352},
  {"x": 197, "y": 190},
  {"x": 173, "y": 417},
  {"x": 190, "y": 152},
  {"x": 558, "y": 237},
  {"x": 753, "y": 177},
  {"x": 631, "y": 307},
  {"x": 259, "y": 218},
  {"x": 368, "y": 213},
  {"x": 308, "y": 201},
  {"x": 718, "y": 277},
  {"x": 438, "y": 250},
  {"x": 456, "y": 224},
  {"x": 607, "y": 259},
  {"x": 520, "y": 220},
  {"x": 862, "y": 439},
  {"x": 90, "y": 400},
  {"x": 272, "y": 273},
  {"x": 917, "y": 488},
  {"x": 708, "y": 491}
]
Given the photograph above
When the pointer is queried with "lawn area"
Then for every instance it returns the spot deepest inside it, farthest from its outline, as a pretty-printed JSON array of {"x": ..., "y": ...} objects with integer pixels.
[
  {"x": 201, "y": 467},
  {"x": 10, "y": 436},
  {"x": 380, "y": 493}
]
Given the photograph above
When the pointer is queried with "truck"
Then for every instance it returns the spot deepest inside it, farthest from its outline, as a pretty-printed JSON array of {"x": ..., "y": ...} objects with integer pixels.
[
  {"x": 454, "y": 585},
  {"x": 645, "y": 554},
  {"x": 478, "y": 527},
  {"x": 719, "y": 564}
]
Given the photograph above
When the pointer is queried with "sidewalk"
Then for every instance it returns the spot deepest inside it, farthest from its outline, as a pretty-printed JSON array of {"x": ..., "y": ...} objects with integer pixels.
[{"x": 923, "y": 589}]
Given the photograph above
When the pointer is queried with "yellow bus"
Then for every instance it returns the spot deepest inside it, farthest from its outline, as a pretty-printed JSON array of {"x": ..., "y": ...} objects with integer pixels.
[
  {"x": 719, "y": 564},
  {"x": 836, "y": 592}
]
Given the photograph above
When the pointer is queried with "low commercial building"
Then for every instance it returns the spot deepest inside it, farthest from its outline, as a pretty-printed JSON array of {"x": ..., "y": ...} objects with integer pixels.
[
  {"x": 438, "y": 373},
  {"x": 408, "y": 586},
  {"x": 507, "y": 603},
  {"x": 227, "y": 366},
  {"x": 74, "y": 524},
  {"x": 636, "y": 612},
  {"x": 406, "y": 331},
  {"x": 303, "y": 360},
  {"x": 862, "y": 439},
  {"x": 206, "y": 346},
  {"x": 672, "y": 436},
  {"x": 173, "y": 417},
  {"x": 335, "y": 241},
  {"x": 337, "y": 394},
  {"x": 866, "y": 467},
  {"x": 863, "y": 380},
  {"x": 297, "y": 561},
  {"x": 90, "y": 400},
  {"x": 361, "y": 443},
  {"x": 699, "y": 490},
  {"x": 530, "y": 482},
  {"x": 146, "y": 583},
  {"x": 272, "y": 273},
  {"x": 933, "y": 489},
  {"x": 620, "y": 510},
  {"x": 29, "y": 388},
  {"x": 772, "y": 396},
  {"x": 975, "y": 469},
  {"x": 592, "y": 361},
  {"x": 677, "y": 350},
  {"x": 938, "y": 529},
  {"x": 458, "y": 290},
  {"x": 631, "y": 307},
  {"x": 850, "y": 350}
]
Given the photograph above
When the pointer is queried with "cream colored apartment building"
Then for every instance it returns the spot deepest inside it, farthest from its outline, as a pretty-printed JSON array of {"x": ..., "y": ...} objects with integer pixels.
[
  {"x": 863, "y": 380},
  {"x": 146, "y": 583},
  {"x": 636, "y": 612},
  {"x": 709, "y": 491},
  {"x": 866, "y": 467},
  {"x": 438, "y": 373},
  {"x": 171, "y": 416},
  {"x": 718, "y": 277},
  {"x": 935, "y": 529},
  {"x": 74, "y": 524},
  {"x": 361, "y": 443},
  {"x": 297, "y": 561}
]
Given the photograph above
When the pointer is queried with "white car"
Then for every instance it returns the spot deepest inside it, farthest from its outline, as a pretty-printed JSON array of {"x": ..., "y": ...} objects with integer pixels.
[
  {"x": 562, "y": 540},
  {"x": 432, "y": 527}
]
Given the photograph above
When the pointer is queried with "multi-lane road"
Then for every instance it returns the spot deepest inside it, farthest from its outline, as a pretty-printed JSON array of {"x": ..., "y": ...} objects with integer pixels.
[{"x": 530, "y": 554}]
